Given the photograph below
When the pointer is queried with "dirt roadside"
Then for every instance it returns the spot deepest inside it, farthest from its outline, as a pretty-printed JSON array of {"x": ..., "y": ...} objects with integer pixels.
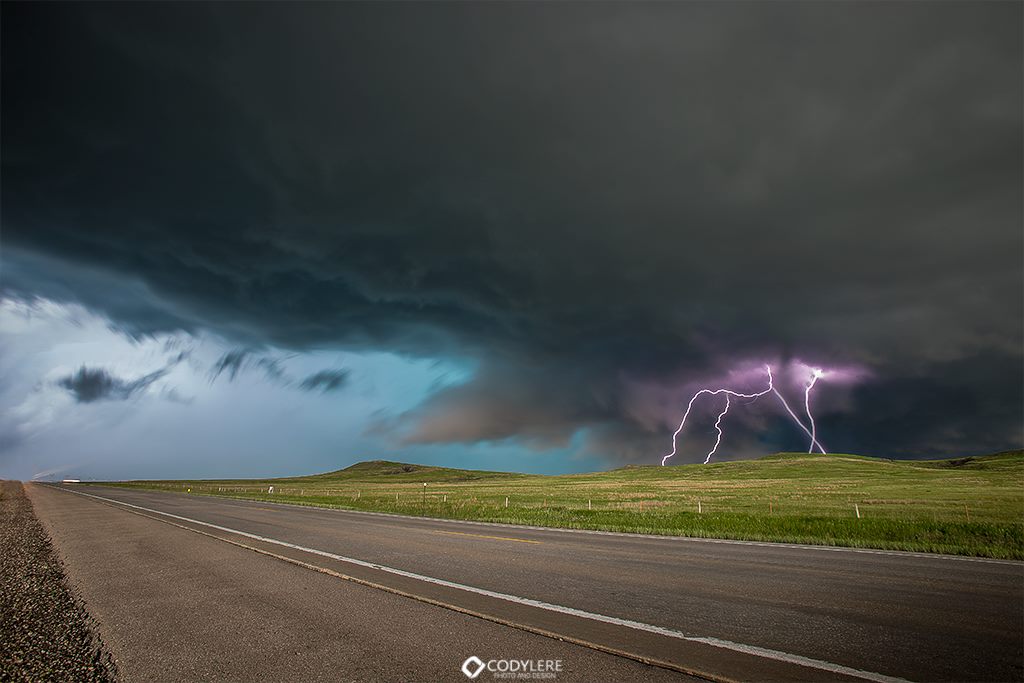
[{"x": 45, "y": 632}]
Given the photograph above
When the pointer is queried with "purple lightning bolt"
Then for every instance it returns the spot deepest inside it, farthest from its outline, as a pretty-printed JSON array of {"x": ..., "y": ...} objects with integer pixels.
[
  {"x": 718, "y": 428},
  {"x": 796, "y": 419},
  {"x": 715, "y": 392},
  {"x": 816, "y": 373}
]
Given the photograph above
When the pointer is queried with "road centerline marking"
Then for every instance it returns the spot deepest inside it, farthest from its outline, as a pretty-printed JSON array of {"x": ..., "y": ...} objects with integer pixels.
[
  {"x": 766, "y": 653},
  {"x": 497, "y": 538}
]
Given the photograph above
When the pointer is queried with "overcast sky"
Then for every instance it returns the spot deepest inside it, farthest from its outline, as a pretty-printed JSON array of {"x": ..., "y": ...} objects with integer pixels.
[{"x": 259, "y": 239}]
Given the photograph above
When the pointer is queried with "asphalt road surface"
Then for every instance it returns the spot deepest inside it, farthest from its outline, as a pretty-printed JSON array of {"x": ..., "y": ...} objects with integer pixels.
[{"x": 198, "y": 588}]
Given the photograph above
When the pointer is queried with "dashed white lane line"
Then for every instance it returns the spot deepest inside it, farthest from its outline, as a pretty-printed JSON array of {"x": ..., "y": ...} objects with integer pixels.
[{"x": 627, "y": 623}]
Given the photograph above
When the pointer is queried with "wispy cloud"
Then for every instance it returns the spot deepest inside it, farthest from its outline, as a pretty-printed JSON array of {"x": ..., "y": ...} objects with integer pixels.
[
  {"x": 90, "y": 384},
  {"x": 96, "y": 384},
  {"x": 239, "y": 361},
  {"x": 325, "y": 380},
  {"x": 233, "y": 362}
]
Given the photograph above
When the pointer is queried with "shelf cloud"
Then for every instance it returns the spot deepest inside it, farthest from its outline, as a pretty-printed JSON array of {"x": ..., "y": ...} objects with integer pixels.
[{"x": 638, "y": 197}]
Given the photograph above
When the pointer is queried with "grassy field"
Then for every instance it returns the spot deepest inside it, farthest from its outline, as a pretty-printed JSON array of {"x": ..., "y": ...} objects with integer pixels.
[{"x": 968, "y": 506}]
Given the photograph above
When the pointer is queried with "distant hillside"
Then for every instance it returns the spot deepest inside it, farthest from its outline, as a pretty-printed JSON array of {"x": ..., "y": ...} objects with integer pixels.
[
  {"x": 824, "y": 467},
  {"x": 383, "y": 471}
]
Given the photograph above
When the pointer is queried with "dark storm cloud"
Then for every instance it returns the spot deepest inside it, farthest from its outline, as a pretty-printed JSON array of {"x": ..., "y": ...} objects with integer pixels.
[
  {"x": 639, "y": 192},
  {"x": 96, "y": 384},
  {"x": 325, "y": 381}
]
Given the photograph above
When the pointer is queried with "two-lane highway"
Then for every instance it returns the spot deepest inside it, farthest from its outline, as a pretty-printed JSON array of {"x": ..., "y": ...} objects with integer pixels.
[{"x": 718, "y": 609}]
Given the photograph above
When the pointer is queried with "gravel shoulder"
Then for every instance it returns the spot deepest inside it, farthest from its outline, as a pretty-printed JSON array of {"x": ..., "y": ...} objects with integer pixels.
[{"x": 45, "y": 632}]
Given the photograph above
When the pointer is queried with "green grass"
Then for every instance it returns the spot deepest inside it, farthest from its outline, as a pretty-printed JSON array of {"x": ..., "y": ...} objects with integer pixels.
[{"x": 967, "y": 506}]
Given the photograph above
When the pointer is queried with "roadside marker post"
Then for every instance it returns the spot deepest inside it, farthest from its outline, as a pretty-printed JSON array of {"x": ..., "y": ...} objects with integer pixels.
[{"x": 857, "y": 508}]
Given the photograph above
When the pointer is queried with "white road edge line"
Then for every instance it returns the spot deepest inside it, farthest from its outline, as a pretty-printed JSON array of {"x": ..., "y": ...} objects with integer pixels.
[
  {"x": 627, "y": 623},
  {"x": 598, "y": 532}
]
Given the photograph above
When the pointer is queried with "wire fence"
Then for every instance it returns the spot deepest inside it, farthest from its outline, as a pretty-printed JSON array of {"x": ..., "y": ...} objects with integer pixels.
[{"x": 446, "y": 499}]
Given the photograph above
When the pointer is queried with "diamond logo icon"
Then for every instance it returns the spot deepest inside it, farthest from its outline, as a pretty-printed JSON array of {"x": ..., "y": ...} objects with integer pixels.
[{"x": 473, "y": 666}]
